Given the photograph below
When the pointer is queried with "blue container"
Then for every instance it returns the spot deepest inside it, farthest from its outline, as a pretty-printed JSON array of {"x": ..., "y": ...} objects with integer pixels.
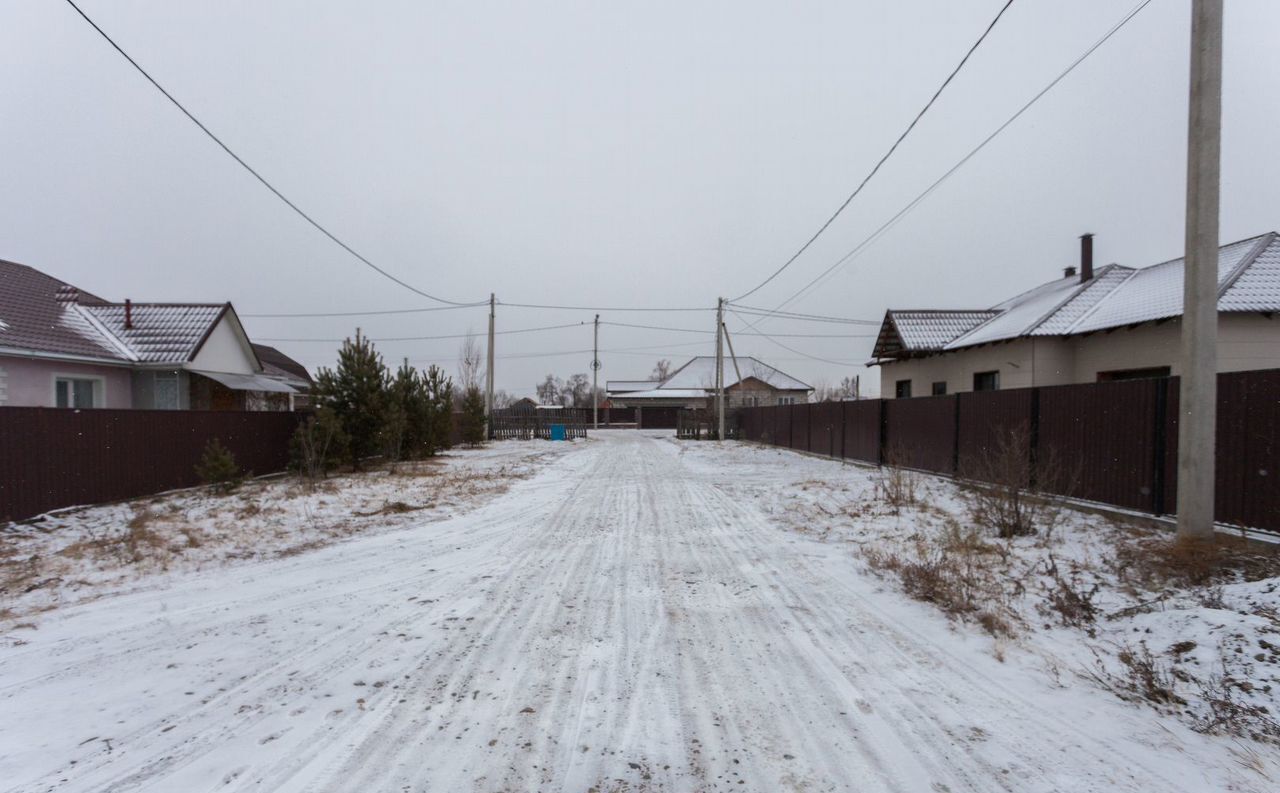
[{"x": 557, "y": 432}]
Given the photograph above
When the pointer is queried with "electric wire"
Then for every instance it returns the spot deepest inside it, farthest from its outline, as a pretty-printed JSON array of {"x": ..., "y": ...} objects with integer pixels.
[
  {"x": 866, "y": 179},
  {"x": 972, "y": 153},
  {"x": 434, "y": 338},
  {"x": 333, "y": 237}
]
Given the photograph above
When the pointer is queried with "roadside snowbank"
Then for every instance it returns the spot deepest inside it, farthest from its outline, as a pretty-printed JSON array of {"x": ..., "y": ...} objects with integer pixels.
[{"x": 76, "y": 555}]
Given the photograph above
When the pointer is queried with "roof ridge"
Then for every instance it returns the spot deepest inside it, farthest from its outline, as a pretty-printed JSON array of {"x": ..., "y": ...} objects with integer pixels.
[
  {"x": 1220, "y": 247},
  {"x": 1085, "y": 287},
  {"x": 120, "y": 344},
  {"x": 1091, "y": 310},
  {"x": 1246, "y": 261}
]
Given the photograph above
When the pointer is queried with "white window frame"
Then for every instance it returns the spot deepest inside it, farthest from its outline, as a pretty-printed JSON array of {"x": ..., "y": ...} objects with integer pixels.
[
  {"x": 99, "y": 388},
  {"x": 786, "y": 400},
  {"x": 4, "y": 386}
]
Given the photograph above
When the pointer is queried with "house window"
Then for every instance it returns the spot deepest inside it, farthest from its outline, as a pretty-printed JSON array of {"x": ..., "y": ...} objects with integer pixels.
[
  {"x": 786, "y": 400},
  {"x": 77, "y": 392},
  {"x": 986, "y": 381},
  {"x": 1133, "y": 374},
  {"x": 940, "y": 388},
  {"x": 902, "y": 389},
  {"x": 4, "y": 391},
  {"x": 165, "y": 394}
]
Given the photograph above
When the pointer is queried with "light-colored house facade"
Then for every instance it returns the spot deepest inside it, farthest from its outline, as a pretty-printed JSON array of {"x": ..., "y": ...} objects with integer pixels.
[
  {"x": 749, "y": 382},
  {"x": 1113, "y": 324},
  {"x": 62, "y": 347}
]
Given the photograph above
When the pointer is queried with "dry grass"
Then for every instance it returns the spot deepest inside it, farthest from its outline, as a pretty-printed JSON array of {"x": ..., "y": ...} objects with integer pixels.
[
  {"x": 1155, "y": 560},
  {"x": 959, "y": 572},
  {"x": 897, "y": 485}
]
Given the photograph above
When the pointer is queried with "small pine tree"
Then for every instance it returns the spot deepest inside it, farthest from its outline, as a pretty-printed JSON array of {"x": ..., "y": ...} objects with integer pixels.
[
  {"x": 217, "y": 467},
  {"x": 473, "y": 417},
  {"x": 438, "y": 395},
  {"x": 408, "y": 393},
  {"x": 357, "y": 393}
]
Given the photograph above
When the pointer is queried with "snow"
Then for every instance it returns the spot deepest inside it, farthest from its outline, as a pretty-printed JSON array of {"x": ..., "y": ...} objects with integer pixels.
[{"x": 637, "y": 614}]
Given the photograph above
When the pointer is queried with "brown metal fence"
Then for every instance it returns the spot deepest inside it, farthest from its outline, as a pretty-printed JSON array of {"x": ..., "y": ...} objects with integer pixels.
[
  {"x": 1113, "y": 443},
  {"x": 52, "y": 458},
  {"x": 517, "y": 425}
]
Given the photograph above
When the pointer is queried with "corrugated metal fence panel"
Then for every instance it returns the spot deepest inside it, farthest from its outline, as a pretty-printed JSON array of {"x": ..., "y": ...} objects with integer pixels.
[
  {"x": 1247, "y": 471},
  {"x": 984, "y": 417},
  {"x": 52, "y": 458},
  {"x": 1105, "y": 434},
  {"x": 921, "y": 433},
  {"x": 799, "y": 427},
  {"x": 824, "y": 428},
  {"x": 861, "y": 422},
  {"x": 1249, "y": 451}
]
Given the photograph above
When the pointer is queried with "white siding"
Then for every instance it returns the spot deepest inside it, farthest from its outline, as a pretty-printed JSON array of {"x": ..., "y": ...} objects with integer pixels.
[{"x": 224, "y": 351}]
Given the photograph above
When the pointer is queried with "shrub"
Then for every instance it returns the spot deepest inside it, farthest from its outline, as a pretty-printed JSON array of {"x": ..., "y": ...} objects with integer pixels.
[
  {"x": 318, "y": 445},
  {"x": 896, "y": 484},
  {"x": 1014, "y": 494},
  {"x": 217, "y": 467}
]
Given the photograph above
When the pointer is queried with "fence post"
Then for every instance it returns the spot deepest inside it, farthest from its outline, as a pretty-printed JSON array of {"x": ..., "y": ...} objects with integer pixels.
[
  {"x": 884, "y": 432},
  {"x": 842, "y": 432},
  {"x": 1033, "y": 438},
  {"x": 955, "y": 439},
  {"x": 1159, "y": 445}
]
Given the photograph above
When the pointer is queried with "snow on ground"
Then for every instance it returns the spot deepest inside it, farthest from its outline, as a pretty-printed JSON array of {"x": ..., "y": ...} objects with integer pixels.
[
  {"x": 1082, "y": 600},
  {"x": 640, "y": 614},
  {"x": 73, "y": 555}
]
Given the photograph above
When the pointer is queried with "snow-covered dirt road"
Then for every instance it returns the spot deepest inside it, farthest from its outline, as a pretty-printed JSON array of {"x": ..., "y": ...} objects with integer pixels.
[{"x": 615, "y": 622}]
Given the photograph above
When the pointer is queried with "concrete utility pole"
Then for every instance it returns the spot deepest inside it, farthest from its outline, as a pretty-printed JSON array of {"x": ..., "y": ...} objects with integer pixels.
[
  {"x": 595, "y": 369},
  {"x": 1198, "y": 396},
  {"x": 720, "y": 368},
  {"x": 488, "y": 378}
]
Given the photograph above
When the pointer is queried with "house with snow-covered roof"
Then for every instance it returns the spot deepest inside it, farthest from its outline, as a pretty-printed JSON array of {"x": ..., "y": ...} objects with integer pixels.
[
  {"x": 748, "y": 382},
  {"x": 64, "y": 347},
  {"x": 1115, "y": 323}
]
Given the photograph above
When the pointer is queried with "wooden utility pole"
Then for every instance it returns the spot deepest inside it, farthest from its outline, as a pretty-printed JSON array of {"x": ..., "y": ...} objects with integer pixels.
[
  {"x": 1198, "y": 395},
  {"x": 488, "y": 378},
  {"x": 595, "y": 369},
  {"x": 720, "y": 369}
]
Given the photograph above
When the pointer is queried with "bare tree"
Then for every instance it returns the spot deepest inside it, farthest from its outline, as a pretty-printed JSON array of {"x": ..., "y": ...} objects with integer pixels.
[
  {"x": 576, "y": 392},
  {"x": 661, "y": 370},
  {"x": 502, "y": 400},
  {"x": 470, "y": 363},
  {"x": 549, "y": 390}
]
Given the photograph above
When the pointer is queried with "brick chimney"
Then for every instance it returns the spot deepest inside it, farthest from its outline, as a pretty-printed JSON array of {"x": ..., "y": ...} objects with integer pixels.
[
  {"x": 128, "y": 314},
  {"x": 1086, "y": 257}
]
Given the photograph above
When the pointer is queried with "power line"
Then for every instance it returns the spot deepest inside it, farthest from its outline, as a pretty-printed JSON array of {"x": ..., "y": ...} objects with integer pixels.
[
  {"x": 433, "y": 338},
  {"x": 928, "y": 191},
  {"x": 772, "y": 340},
  {"x": 368, "y": 313},
  {"x": 804, "y": 317},
  {"x": 866, "y": 179},
  {"x": 712, "y": 332},
  {"x": 600, "y": 308},
  {"x": 250, "y": 168}
]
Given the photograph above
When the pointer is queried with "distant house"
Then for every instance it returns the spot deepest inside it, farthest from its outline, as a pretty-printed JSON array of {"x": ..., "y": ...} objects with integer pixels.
[
  {"x": 751, "y": 382},
  {"x": 1116, "y": 323},
  {"x": 62, "y": 347},
  {"x": 278, "y": 366}
]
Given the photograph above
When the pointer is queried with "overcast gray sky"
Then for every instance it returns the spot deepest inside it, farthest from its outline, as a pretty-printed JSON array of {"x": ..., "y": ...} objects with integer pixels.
[{"x": 640, "y": 154}]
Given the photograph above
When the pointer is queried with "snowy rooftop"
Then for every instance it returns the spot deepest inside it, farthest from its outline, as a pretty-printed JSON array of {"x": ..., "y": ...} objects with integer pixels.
[
  {"x": 1248, "y": 280},
  {"x": 700, "y": 372}
]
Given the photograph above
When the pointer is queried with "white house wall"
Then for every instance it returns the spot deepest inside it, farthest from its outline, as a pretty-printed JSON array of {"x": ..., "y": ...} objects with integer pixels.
[
  {"x": 224, "y": 351},
  {"x": 1245, "y": 342}
]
